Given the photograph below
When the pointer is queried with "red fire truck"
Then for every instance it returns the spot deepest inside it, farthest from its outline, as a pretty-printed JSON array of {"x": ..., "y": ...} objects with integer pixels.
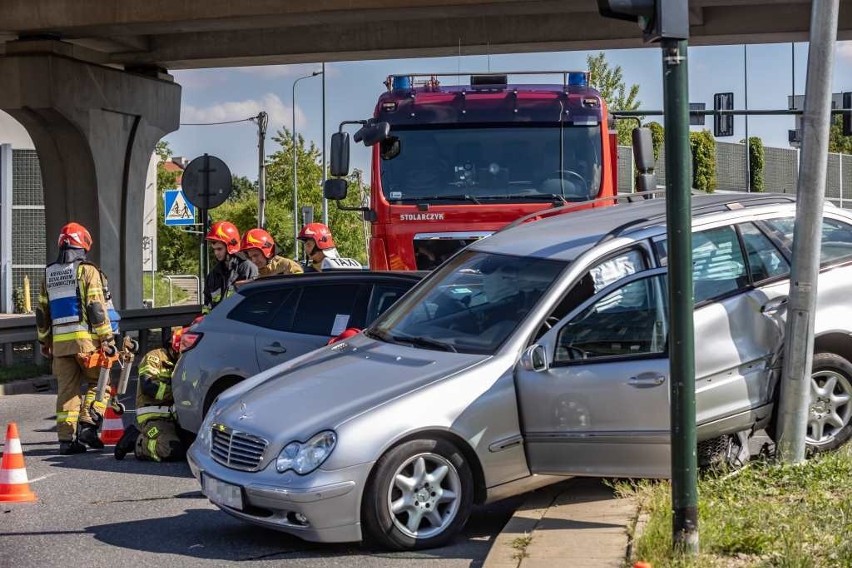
[{"x": 454, "y": 163}]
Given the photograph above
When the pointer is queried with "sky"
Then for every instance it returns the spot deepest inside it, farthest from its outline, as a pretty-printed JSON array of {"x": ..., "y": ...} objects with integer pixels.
[{"x": 352, "y": 88}]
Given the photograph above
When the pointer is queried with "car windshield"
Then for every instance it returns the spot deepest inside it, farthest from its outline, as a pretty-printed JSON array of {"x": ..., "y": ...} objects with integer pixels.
[
  {"x": 471, "y": 305},
  {"x": 506, "y": 163}
]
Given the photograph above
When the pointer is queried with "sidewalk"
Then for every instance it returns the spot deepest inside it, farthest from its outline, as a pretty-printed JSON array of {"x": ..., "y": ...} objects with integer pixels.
[{"x": 578, "y": 522}]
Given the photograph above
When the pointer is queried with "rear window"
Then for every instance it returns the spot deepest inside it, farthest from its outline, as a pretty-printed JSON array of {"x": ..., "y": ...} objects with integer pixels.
[{"x": 260, "y": 308}]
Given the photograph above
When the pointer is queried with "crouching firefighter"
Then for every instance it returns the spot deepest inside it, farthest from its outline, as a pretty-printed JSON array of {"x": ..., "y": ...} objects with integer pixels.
[
  {"x": 156, "y": 436},
  {"x": 76, "y": 323}
]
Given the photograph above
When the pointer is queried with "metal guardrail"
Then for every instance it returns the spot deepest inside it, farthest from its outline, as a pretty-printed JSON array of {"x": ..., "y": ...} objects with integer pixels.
[{"x": 23, "y": 328}]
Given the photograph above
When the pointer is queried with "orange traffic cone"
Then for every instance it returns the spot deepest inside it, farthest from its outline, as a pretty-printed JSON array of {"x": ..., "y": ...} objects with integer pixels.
[
  {"x": 113, "y": 427},
  {"x": 642, "y": 564},
  {"x": 14, "y": 486}
]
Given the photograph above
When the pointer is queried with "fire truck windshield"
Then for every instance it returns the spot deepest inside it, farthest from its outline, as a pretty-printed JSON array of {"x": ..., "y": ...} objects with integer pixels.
[{"x": 503, "y": 163}]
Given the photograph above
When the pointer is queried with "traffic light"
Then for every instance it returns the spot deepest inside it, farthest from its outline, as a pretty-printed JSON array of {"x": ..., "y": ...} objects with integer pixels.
[
  {"x": 659, "y": 19},
  {"x": 847, "y": 116},
  {"x": 723, "y": 124}
]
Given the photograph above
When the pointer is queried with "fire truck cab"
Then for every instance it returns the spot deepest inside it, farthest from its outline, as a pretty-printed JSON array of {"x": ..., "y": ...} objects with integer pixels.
[{"x": 453, "y": 163}]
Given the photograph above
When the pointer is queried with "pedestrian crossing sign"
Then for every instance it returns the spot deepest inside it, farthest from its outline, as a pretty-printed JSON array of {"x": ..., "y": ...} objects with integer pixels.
[{"x": 179, "y": 211}]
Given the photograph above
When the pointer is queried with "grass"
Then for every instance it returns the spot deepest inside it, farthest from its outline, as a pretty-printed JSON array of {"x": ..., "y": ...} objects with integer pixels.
[
  {"x": 23, "y": 371},
  {"x": 520, "y": 545},
  {"x": 767, "y": 515},
  {"x": 161, "y": 291}
]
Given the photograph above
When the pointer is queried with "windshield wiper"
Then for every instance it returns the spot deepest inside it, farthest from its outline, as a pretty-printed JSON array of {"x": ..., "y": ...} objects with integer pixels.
[
  {"x": 379, "y": 334},
  {"x": 452, "y": 197},
  {"x": 425, "y": 342},
  {"x": 528, "y": 196}
]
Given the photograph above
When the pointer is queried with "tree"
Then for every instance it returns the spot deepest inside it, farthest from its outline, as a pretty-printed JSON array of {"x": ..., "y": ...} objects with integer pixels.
[
  {"x": 609, "y": 81},
  {"x": 837, "y": 142},
  {"x": 703, "y": 147},
  {"x": 658, "y": 138},
  {"x": 346, "y": 226}
]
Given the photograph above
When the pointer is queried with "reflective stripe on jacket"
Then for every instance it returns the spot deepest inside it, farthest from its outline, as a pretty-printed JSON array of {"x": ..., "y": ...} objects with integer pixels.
[{"x": 154, "y": 397}]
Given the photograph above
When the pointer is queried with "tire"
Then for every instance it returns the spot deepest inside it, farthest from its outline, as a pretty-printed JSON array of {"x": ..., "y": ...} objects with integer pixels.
[
  {"x": 430, "y": 483},
  {"x": 830, "y": 408}
]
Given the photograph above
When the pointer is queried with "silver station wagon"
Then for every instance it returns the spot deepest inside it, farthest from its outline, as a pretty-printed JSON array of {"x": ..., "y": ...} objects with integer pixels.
[{"x": 538, "y": 352}]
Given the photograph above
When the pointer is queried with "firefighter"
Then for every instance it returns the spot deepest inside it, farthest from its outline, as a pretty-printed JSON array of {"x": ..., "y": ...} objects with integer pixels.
[
  {"x": 319, "y": 245},
  {"x": 230, "y": 268},
  {"x": 259, "y": 247},
  {"x": 156, "y": 437},
  {"x": 75, "y": 321}
]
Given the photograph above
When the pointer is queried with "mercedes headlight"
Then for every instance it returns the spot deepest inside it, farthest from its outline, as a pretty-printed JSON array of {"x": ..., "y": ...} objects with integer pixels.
[
  {"x": 205, "y": 436},
  {"x": 305, "y": 457}
]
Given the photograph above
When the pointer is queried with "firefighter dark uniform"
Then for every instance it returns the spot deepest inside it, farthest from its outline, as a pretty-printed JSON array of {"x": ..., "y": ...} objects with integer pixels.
[
  {"x": 155, "y": 436},
  {"x": 221, "y": 281},
  {"x": 74, "y": 318}
]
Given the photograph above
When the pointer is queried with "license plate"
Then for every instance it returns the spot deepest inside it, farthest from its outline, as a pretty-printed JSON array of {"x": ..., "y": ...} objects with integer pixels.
[{"x": 222, "y": 493}]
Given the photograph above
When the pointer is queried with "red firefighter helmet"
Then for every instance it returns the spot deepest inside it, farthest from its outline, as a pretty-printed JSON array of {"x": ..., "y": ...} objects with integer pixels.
[
  {"x": 75, "y": 235},
  {"x": 259, "y": 239},
  {"x": 320, "y": 234},
  {"x": 225, "y": 232},
  {"x": 346, "y": 334},
  {"x": 176, "y": 335}
]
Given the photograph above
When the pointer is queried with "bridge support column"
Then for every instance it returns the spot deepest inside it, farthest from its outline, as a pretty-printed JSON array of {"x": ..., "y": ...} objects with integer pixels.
[{"x": 94, "y": 129}]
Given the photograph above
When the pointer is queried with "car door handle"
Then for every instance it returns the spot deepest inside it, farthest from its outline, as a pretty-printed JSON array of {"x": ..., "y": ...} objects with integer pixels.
[
  {"x": 645, "y": 380},
  {"x": 774, "y": 306},
  {"x": 275, "y": 349}
]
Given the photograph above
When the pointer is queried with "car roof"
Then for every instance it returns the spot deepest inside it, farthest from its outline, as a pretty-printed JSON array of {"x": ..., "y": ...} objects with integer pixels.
[
  {"x": 309, "y": 278},
  {"x": 567, "y": 236}
]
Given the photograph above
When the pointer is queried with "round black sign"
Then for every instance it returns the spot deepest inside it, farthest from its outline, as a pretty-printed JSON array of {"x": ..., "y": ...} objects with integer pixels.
[{"x": 207, "y": 182}]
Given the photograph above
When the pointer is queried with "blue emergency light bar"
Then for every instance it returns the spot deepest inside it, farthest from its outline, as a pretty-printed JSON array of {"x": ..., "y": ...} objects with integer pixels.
[
  {"x": 400, "y": 82},
  {"x": 577, "y": 79}
]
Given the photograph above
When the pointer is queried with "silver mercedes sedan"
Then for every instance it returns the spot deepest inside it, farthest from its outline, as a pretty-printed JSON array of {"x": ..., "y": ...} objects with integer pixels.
[{"x": 538, "y": 352}]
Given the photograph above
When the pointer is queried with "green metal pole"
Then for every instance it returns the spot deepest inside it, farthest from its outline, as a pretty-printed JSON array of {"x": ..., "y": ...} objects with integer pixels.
[{"x": 682, "y": 330}]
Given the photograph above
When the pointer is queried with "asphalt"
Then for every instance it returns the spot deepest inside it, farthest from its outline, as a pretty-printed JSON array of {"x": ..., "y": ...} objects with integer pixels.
[{"x": 578, "y": 522}]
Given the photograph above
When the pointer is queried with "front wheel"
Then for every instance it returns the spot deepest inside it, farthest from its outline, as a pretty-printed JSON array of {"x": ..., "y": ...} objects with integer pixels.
[
  {"x": 830, "y": 408},
  {"x": 419, "y": 496}
]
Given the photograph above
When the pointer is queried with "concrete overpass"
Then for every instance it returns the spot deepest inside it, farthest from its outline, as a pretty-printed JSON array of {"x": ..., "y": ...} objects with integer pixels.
[{"x": 89, "y": 78}]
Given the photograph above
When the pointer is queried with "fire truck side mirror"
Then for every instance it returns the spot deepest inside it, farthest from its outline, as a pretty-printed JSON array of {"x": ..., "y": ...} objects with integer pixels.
[
  {"x": 335, "y": 189},
  {"x": 339, "y": 162},
  {"x": 643, "y": 156}
]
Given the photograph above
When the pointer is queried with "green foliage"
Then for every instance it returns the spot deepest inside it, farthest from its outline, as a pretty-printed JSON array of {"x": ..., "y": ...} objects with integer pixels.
[
  {"x": 161, "y": 291},
  {"x": 244, "y": 188},
  {"x": 346, "y": 226},
  {"x": 658, "y": 135},
  {"x": 19, "y": 301},
  {"x": 609, "y": 81},
  {"x": 756, "y": 161},
  {"x": 766, "y": 515},
  {"x": 837, "y": 142},
  {"x": 18, "y": 371},
  {"x": 703, "y": 147}
]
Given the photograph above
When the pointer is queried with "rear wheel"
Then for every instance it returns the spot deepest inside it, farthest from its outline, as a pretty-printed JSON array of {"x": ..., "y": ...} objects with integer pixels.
[
  {"x": 419, "y": 496},
  {"x": 830, "y": 409}
]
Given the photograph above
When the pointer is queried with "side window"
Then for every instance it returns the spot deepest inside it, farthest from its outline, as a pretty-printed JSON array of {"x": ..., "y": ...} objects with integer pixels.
[
  {"x": 836, "y": 242},
  {"x": 765, "y": 261},
  {"x": 718, "y": 266},
  {"x": 260, "y": 308},
  {"x": 326, "y": 310},
  {"x": 836, "y": 238},
  {"x": 384, "y": 296},
  {"x": 629, "y": 321},
  {"x": 599, "y": 277}
]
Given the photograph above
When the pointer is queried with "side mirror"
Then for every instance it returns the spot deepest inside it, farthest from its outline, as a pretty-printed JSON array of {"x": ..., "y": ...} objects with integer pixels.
[
  {"x": 534, "y": 358},
  {"x": 643, "y": 156},
  {"x": 335, "y": 189},
  {"x": 372, "y": 134},
  {"x": 339, "y": 162}
]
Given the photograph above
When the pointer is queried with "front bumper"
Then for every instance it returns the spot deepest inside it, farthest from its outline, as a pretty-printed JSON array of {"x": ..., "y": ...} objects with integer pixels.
[{"x": 330, "y": 501}]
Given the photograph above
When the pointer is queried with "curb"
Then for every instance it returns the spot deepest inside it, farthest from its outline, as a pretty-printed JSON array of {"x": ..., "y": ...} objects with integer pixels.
[{"x": 35, "y": 385}]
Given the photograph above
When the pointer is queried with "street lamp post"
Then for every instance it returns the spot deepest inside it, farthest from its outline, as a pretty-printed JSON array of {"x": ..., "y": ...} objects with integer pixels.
[{"x": 295, "y": 167}]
